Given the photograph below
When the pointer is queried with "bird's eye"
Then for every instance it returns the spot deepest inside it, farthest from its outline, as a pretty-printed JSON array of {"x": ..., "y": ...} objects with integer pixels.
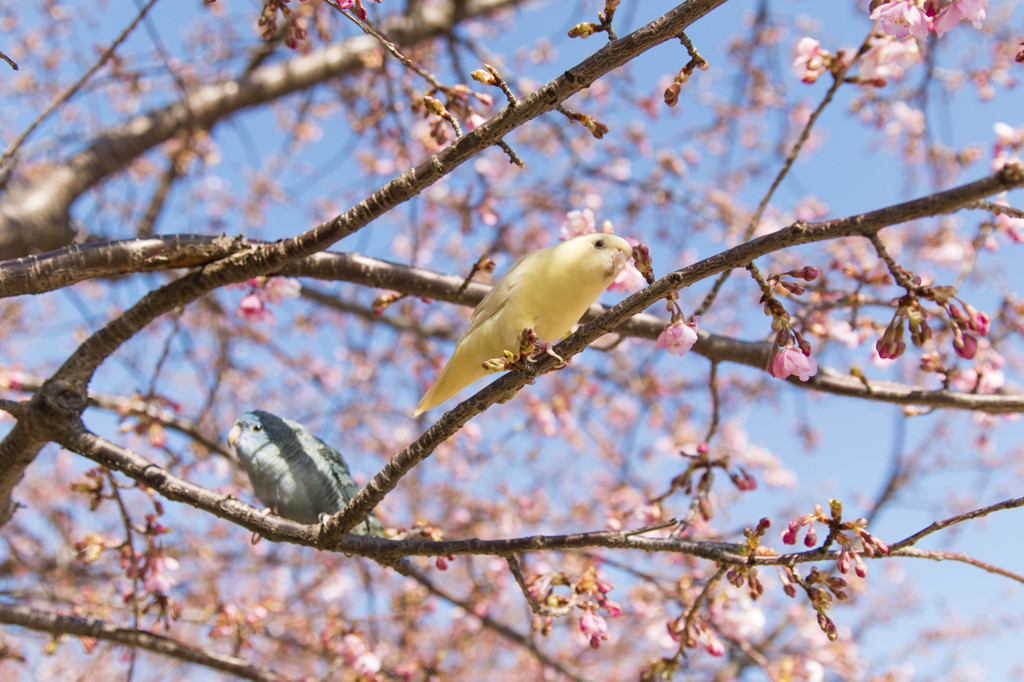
[
  {"x": 599, "y": 244},
  {"x": 257, "y": 427}
]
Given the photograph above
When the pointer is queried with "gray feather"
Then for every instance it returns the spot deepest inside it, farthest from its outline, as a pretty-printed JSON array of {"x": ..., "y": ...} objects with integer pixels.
[{"x": 293, "y": 472}]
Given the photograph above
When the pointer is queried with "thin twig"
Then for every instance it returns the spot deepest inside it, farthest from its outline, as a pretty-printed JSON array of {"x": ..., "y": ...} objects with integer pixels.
[
  {"x": 805, "y": 135},
  {"x": 47, "y": 621},
  {"x": 70, "y": 92},
  {"x": 9, "y": 61}
]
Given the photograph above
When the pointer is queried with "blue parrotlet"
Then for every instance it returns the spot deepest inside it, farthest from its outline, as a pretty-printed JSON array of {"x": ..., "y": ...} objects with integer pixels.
[{"x": 293, "y": 472}]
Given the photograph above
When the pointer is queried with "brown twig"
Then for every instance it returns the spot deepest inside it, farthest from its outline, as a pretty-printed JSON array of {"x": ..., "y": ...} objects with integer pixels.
[
  {"x": 805, "y": 135},
  {"x": 47, "y": 621},
  {"x": 71, "y": 91}
]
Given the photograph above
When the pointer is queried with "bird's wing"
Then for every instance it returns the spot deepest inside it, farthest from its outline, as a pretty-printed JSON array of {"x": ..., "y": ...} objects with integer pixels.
[
  {"x": 347, "y": 488},
  {"x": 498, "y": 297},
  {"x": 337, "y": 470}
]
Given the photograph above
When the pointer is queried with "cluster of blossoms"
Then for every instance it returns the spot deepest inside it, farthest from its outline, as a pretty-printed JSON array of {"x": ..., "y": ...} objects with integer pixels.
[
  {"x": 294, "y": 33},
  {"x": 887, "y": 58},
  {"x": 900, "y": 18},
  {"x": 1009, "y": 145},
  {"x": 905, "y": 22},
  {"x": 588, "y": 592},
  {"x": 359, "y": 657},
  {"x": 791, "y": 352},
  {"x": 967, "y": 324},
  {"x": 264, "y": 291},
  {"x": 154, "y": 569},
  {"x": 811, "y": 61},
  {"x": 820, "y": 586},
  {"x": 232, "y": 622},
  {"x": 840, "y": 532},
  {"x": 145, "y": 410},
  {"x": 700, "y": 634}
]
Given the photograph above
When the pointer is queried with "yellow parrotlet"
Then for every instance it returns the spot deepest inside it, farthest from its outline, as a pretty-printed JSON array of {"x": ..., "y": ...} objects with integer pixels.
[{"x": 547, "y": 290}]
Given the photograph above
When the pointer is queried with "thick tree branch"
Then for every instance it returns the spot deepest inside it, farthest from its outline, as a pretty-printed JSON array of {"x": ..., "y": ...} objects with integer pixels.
[
  {"x": 131, "y": 405},
  {"x": 56, "y": 624},
  {"x": 35, "y": 216},
  {"x": 47, "y": 271},
  {"x": 387, "y": 552},
  {"x": 1011, "y": 176}
]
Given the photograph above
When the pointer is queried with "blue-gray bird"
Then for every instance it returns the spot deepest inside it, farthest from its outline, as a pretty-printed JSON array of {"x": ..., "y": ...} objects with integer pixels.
[{"x": 293, "y": 472}]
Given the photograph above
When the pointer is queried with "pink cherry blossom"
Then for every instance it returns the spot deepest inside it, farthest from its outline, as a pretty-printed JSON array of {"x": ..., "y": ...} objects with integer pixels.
[
  {"x": 251, "y": 309},
  {"x": 628, "y": 280},
  {"x": 594, "y": 627},
  {"x": 888, "y": 59},
  {"x": 159, "y": 579},
  {"x": 578, "y": 222},
  {"x": 792, "y": 361},
  {"x": 810, "y": 60},
  {"x": 678, "y": 338},
  {"x": 355, "y": 652},
  {"x": 1007, "y": 135},
  {"x": 973, "y": 11},
  {"x": 966, "y": 348},
  {"x": 901, "y": 18},
  {"x": 279, "y": 288}
]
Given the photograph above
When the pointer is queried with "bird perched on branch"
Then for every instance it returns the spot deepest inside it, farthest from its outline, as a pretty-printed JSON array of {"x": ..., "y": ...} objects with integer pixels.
[
  {"x": 546, "y": 290},
  {"x": 293, "y": 472}
]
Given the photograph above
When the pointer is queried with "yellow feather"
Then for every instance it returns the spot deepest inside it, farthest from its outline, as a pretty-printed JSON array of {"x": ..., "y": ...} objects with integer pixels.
[{"x": 547, "y": 290}]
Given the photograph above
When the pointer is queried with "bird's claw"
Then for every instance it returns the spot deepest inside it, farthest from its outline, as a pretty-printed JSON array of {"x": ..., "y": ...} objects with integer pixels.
[
  {"x": 256, "y": 537},
  {"x": 322, "y": 521},
  {"x": 546, "y": 349}
]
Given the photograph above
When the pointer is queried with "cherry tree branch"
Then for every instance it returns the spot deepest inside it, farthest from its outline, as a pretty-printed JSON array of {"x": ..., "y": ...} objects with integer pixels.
[
  {"x": 1010, "y": 176},
  {"x": 35, "y": 216},
  {"x": 959, "y": 518},
  {"x": 63, "y": 396},
  {"x": 960, "y": 557},
  {"x": 40, "y": 273},
  {"x": 132, "y": 405},
  {"x": 388, "y": 552},
  {"x": 47, "y": 621}
]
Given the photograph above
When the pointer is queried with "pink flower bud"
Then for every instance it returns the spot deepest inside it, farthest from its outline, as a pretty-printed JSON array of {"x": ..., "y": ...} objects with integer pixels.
[
  {"x": 792, "y": 362},
  {"x": 844, "y": 560},
  {"x": 966, "y": 346},
  {"x": 977, "y": 320},
  {"x": 859, "y": 566},
  {"x": 812, "y": 538},
  {"x": 594, "y": 627},
  {"x": 678, "y": 338}
]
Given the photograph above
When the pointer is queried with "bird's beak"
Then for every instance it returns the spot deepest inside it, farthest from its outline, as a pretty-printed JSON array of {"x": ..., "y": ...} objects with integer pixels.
[
  {"x": 234, "y": 434},
  {"x": 620, "y": 259}
]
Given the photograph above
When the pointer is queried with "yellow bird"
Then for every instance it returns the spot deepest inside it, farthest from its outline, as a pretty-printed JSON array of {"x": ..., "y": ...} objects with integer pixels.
[{"x": 547, "y": 290}]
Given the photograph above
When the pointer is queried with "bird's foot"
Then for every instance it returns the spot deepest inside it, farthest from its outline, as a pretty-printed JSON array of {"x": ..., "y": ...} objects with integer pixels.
[
  {"x": 322, "y": 521},
  {"x": 544, "y": 348},
  {"x": 256, "y": 537}
]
